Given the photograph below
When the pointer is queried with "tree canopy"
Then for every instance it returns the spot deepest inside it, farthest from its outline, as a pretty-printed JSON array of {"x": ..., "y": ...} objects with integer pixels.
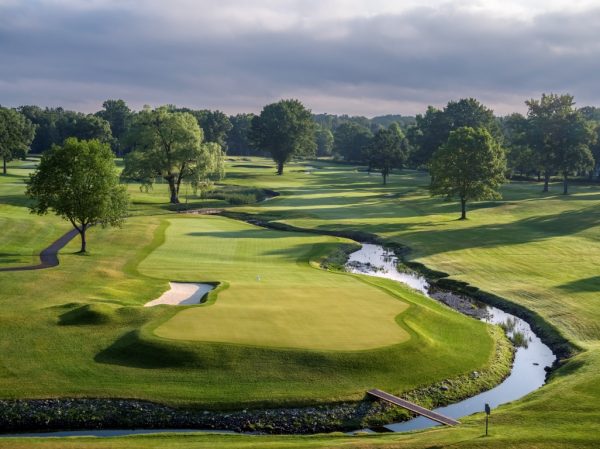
[
  {"x": 16, "y": 134},
  {"x": 433, "y": 128},
  {"x": 78, "y": 182},
  {"x": 118, "y": 115},
  {"x": 54, "y": 125},
  {"x": 560, "y": 136},
  {"x": 324, "y": 138},
  {"x": 170, "y": 145},
  {"x": 388, "y": 150},
  {"x": 285, "y": 129},
  {"x": 470, "y": 166},
  {"x": 351, "y": 142}
]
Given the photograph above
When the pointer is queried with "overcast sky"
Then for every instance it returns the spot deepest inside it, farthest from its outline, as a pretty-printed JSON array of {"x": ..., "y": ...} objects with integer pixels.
[{"x": 367, "y": 57}]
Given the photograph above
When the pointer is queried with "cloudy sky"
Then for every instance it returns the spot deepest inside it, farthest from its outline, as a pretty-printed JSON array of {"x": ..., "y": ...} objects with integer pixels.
[{"x": 365, "y": 57}]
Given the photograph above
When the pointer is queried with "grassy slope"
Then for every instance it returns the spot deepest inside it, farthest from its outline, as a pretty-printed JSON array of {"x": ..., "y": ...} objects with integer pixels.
[
  {"x": 74, "y": 330},
  {"x": 282, "y": 309},
  {"x": 539, "y": 250}
]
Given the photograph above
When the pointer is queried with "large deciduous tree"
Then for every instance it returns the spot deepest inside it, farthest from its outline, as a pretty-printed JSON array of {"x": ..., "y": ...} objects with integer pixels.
[
  {"x": 351, "y": 141},
  {"x": 285, "y": 129},
  {"x": 560, "y": 136},
  {"x": 16, "y": 134},
  {"x": 388, "y": 150},
  {"x": 433, "y": 128},
  {"x": 78, "y": 182},
  {"x": 169, "y": 145},
  {"x": 521, "y": 158},
  {"x": 469, "y": 166},
  {"x": 238, "y": 138},
  {"x": 215, "y": 125},
  {"x": 324, "y": 139},
  {"x": 118, "y": 115}
]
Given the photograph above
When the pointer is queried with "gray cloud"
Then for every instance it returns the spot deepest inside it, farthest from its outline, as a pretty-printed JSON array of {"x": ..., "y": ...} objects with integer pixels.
[{"x": 78, "y": 54}]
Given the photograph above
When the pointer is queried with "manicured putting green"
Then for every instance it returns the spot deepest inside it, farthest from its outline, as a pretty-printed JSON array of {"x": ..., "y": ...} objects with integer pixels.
[{"x": 275, "y": 297}]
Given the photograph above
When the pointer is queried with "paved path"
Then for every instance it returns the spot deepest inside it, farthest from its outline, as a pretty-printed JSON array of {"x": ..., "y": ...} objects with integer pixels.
[
  {"x": 413, "y": 407},
  {"x": 48, "y": 256}
]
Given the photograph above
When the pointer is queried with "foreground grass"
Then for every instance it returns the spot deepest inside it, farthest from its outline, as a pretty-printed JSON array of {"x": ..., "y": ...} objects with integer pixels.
[{"x": 539, "y": 250}]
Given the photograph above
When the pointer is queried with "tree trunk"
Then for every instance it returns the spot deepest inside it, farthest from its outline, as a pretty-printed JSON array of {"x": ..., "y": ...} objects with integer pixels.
[
  {"x": 463, "y": 209},
  {"x": 546, "y": 181},
  {"x": 565, "y": 185},
  {"x": 280, "y": 168},
  {"x": 539, "y": 176},
  {"x": 173, "y": 190},
  {"x": 3, "y": 165},
  {"x": 83, "y": 241},
  {"x": 385, "y": 175}
]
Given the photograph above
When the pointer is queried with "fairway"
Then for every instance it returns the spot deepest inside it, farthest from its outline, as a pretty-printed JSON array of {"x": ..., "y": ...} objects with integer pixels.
[{"x": 274, "y": 297}]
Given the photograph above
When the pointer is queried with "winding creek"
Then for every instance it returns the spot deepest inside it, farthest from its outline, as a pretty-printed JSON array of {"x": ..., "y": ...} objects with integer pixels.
[
  {"x": 531, "y": 358},
  {"x": 528, "y": 373}
]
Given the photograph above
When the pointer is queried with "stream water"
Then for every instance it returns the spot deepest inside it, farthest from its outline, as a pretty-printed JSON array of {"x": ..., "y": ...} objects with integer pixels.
[{"x": 531, "y": 358}]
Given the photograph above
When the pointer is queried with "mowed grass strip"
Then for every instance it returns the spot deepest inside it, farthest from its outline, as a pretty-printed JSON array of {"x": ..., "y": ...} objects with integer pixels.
[{"x": 274, "y": 296}]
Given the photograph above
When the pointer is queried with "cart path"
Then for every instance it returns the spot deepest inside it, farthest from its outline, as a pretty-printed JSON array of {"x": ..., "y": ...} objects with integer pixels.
[
  {"x": 413, "y": 407},
  {"x": 48, "y": 256}
]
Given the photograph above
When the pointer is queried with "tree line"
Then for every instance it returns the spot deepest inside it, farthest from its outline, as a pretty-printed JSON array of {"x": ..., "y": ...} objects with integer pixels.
[{"x": 467, "y": 149}]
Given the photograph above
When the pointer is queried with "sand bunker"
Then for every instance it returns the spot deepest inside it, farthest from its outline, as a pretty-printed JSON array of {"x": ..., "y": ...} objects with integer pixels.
[{"x": 182, "y": 294}]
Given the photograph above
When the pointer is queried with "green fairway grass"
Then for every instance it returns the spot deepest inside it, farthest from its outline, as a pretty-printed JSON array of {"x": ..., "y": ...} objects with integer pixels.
[
  {"x": 274, "y": 297},
  {"x": 536, "y": 249},
  {"x": 79, "y": 329}
]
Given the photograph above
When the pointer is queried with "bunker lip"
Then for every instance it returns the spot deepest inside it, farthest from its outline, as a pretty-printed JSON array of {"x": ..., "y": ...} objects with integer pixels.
[{"x": 182, "y": 294}]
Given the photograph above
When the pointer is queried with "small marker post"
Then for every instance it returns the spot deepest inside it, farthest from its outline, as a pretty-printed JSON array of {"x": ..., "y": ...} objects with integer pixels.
[{"x": 487, "y": 416}]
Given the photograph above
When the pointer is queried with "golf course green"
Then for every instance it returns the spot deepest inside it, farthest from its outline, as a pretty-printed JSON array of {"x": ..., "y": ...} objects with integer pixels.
[
  {"x": 272, "y": 299},
  {"x": 281, "y": 331}
]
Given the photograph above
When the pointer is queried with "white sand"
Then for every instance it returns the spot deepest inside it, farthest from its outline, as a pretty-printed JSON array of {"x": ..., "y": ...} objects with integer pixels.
[{"x": 182, "y": 294}]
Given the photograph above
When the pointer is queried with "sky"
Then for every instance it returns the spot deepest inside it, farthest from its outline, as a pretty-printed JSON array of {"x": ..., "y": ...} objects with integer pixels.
[{"x": 369, "y": 57}]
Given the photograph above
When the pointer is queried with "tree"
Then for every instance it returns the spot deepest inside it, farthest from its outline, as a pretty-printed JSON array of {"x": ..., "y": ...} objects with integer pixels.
[
  {"x": 574, "y": 155},
  {"x": 351, "y": 141},
  {"x": 118, "y": 115},
  {"x": 169, "y": 145},
  {"x": 215, "y": 125},
  {"x": 324, "y": 139},
  {"x": 284, "y": 129},
  {"x": 238, "y": 139},
  {"x": 520, "y": 156},
  {"x": 560, "y": 136},
  {"x": 432, "y": 129},
  {"x": 16, "y": 134},
  {"x": 78, "y": 181},
  {"x": 469, "y": 166},
  {"x": 595, "y": 149},
  {"x": 388, "y": 150},
  {"x": 44, "y": 120}
]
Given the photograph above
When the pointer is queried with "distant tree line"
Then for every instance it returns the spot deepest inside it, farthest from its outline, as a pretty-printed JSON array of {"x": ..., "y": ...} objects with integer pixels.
[{"x": 554, "y": 138}]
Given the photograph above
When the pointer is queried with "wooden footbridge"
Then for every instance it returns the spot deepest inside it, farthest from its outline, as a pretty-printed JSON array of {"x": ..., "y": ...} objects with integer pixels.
[{"x": 413, "y": 407}]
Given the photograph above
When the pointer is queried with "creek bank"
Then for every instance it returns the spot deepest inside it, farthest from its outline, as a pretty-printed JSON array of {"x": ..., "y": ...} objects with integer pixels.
[
  {"x": 531, "y": 358},
  {"x": 43, "y": 415}
]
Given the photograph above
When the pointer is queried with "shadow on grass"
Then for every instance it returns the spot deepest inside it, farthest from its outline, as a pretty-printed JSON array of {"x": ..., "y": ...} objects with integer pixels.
[
  {"x": 591, "y": 284},
  {"x": 133, "y": 351}
]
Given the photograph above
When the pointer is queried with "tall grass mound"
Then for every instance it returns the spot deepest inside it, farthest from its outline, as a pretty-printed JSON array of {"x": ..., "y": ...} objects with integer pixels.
[
  {"x": 236, "y": 195},
  {"x": 89, "y": 314}
]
